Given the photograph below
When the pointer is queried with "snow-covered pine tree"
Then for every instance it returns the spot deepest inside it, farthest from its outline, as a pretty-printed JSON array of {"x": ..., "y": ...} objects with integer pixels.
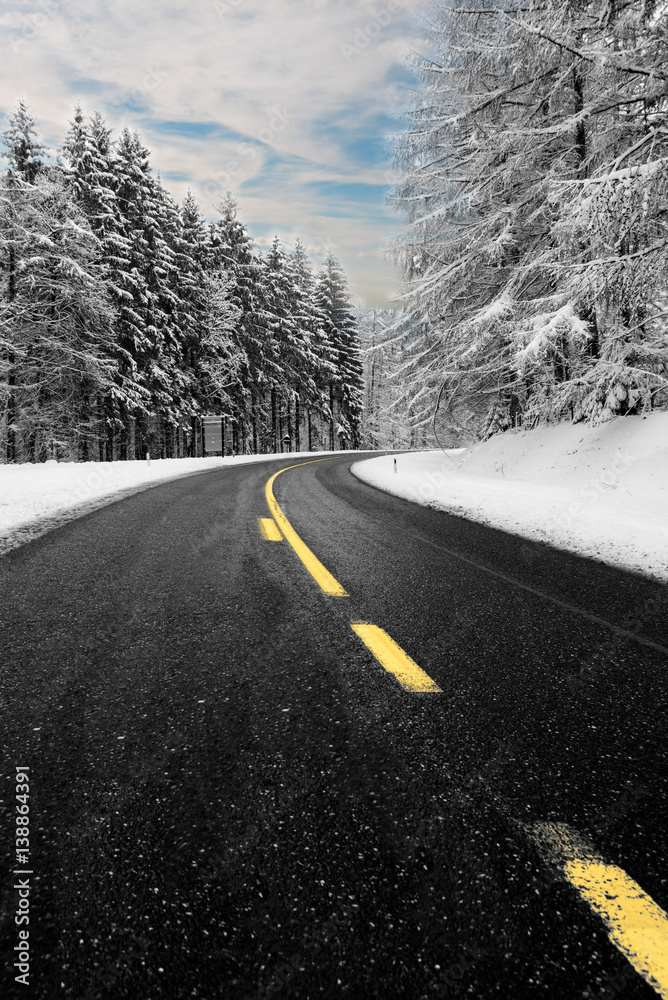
[
  {"x": 186, "y": 318},
  {"x": 82, "y": 165},
  {"x": 25, "y": 150},
  {"x": 320, "y": 368},
  {"x": 260, "y": 372},
  {"x": 475, "y": 198},
  {"x": 297, "y": 326},
  {"x": 385, "y": 421},
  {"x": 220, "y": 360},
  {"x": 523, "y": 124},
  {"x": 174, "y": 404},
  {"x": 210, "y": 349},
  {"x": 283, "y": 335},
  {"x": 55, "y": 311},
  {"x": 93, "y": 172},
  {"x": 24, "y": 153},
  {"x": 147, "y": 328},
  {"x": 346, "y": 387},
  {"x": 612, "y": 230},
  {"x": 193, "y": 263}
]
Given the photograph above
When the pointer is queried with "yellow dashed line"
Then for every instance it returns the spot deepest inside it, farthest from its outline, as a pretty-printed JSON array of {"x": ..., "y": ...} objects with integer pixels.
[
  {"x": 322, "y": 576},
  {"x": 270, "y": 529},
  {"x": 392, "y": 657},
  {"x": 635, "y": 923}
]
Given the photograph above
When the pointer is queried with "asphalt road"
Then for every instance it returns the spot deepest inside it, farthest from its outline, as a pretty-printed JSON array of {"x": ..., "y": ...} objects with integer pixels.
[{"x": 230, "y": 797}]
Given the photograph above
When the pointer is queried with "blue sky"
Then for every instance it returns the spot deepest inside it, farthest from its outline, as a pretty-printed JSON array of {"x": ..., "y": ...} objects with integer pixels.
[{"x": 288, "y": 103}]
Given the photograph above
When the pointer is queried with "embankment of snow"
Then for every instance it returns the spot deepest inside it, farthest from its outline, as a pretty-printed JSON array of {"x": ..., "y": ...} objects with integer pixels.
[
  {"x": 36, "y": 498},
  {"x": 599, "y": 491}
]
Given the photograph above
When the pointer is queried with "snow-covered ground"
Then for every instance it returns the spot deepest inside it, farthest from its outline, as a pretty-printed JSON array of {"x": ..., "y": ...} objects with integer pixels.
[
  {"x": 598, "y": 491},
  {"x": 36, "y": 498}
]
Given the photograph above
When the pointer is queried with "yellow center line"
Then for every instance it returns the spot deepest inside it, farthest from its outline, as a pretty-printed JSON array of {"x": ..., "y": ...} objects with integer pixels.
[
  {"x": 384, "y": 648},
  {"x": 322, "y": 576},
  {"x": 270, "y": 529},
  {"x": 392, "y": 657},
  {"x": 635, "y": 923}
]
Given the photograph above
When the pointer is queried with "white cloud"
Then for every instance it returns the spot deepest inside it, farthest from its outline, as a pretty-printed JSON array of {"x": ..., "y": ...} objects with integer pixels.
[{"x": 295, "y": 79}]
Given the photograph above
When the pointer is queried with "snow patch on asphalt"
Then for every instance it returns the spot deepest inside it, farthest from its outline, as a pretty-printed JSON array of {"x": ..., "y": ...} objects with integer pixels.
[{"x": 601, "y": 492}]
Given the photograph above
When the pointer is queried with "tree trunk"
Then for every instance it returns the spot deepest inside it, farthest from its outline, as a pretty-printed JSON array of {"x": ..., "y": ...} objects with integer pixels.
[
  {"x": 132, "y": 438},
  {"x": 193, "y": 451},
  {"x": 331, "y": 419},
  {"x": 109, "y": 443},
  {"x": 297, "y": 418},
  {"x": 102, "y": 428},
  {"x": 83, "y": 453},
  {"x": 274, "y": 438},
  {"x": 280, "y": 425},
  {"x": 112, "y": 446},
  {"x": 580, "y": 132},
  {"x": 11, "y": 363},
  {"x": 11, "y": 408},
  {"x": 160, "y": 434},
  {"x": 124, "y": 437}
]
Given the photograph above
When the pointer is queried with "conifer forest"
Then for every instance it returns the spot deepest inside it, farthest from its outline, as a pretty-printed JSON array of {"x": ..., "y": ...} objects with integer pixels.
[
  {"x": 534, "y": 189},
  {"x": 125, "y": 317},
  {"x": 531, "y": 246}
]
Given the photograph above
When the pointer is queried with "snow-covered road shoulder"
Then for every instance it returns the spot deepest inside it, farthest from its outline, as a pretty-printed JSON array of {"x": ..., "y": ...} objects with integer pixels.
[
  {"x": 36, "y": 498},
  {"x": 601, "y": 492}
]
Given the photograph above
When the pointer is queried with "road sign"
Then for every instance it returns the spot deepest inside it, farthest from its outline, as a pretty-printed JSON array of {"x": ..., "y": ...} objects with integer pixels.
[
  {"x": 287, "y": 439},
  {"x": 213, "y": 434}
]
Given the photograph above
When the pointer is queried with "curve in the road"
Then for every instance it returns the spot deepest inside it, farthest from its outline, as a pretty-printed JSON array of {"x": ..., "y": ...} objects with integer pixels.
[
  {"x": 322, "y": 576},
  {"x": 388, "y": 653},
  {"x": 243, "y": 770},
  {"x": 619, "y": 630},
  {"x": 636, "y": 925}
]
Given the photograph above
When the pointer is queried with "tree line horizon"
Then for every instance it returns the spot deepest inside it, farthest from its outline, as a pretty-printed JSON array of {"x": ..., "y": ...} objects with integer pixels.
[{"x": 126, "y": 317}]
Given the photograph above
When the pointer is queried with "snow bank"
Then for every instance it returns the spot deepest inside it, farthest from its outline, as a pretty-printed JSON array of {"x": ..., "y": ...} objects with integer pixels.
[
  {"x": 36, "y": 498},
  {"x": 599, "y": 491}
]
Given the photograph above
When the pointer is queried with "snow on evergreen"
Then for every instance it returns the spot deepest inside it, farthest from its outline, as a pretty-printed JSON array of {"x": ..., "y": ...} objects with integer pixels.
[
  {"x": 535, "y": 198},
  {"x": 345, "y": 387},
  {"x": 125, "y": 317}
]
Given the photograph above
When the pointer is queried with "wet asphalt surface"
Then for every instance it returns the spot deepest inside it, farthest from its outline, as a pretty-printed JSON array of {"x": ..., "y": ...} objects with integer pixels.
[{"x": 231, "y": 798}]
